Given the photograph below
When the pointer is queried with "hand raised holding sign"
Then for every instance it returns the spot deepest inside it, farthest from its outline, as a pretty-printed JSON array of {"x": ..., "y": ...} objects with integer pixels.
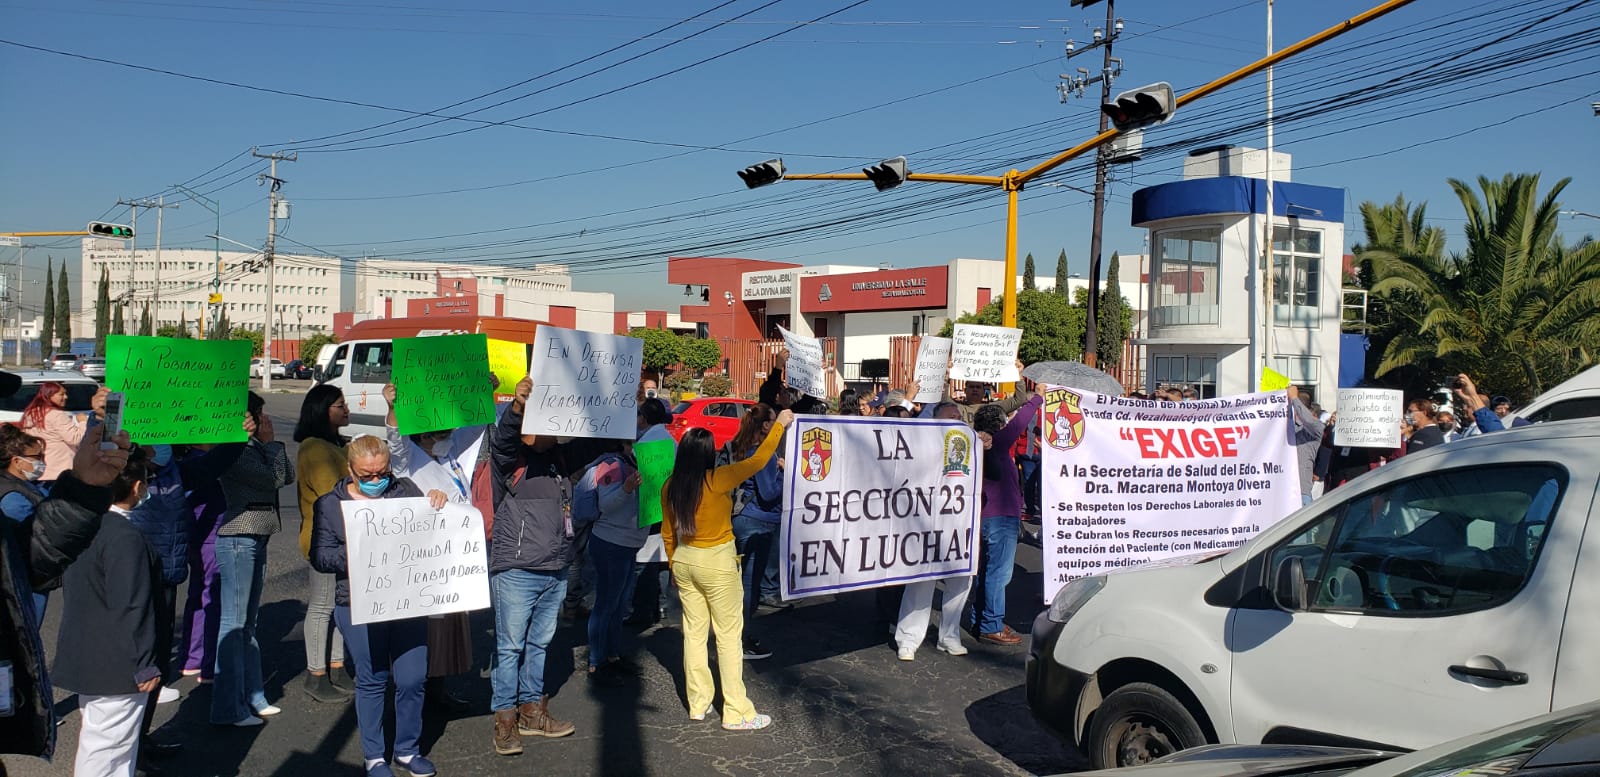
[
  {"x": 785, "y": 419},
  {"x": 437, "y": 499}
]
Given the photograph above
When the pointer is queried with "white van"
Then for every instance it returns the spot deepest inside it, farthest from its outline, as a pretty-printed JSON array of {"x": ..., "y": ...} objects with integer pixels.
[
  {"x": 1577, "y": 397},
  {"x": 1452, "y": 591},
  {"x": 360, "y": 368}
]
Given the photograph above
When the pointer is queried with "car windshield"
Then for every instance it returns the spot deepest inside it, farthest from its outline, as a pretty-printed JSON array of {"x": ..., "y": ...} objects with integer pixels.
[
  {"x": 683, "y": 407},
  {"x": 1496, "y": 755},
  {"x": 79, "y": 397}
]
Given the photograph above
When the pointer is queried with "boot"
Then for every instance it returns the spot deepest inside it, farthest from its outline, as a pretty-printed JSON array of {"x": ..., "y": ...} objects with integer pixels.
[
  {"x": 319, "y": 688},
  {"x": 506, "y": 741},
  {"x": 343, "y": 678},
  {"x": 533, "y": 720}
]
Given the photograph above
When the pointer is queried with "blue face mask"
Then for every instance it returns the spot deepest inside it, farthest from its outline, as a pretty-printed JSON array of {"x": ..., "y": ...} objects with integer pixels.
[
  {"x": 373, "y": 487},
  {"x": 161, "y": 455},
  {"x": 143, "y": 499}
]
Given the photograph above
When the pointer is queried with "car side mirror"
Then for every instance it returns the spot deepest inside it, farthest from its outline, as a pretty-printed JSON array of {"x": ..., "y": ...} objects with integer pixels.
[
  {"x": 1289, "y": 585},
  {"x": 316, "y": 373}
]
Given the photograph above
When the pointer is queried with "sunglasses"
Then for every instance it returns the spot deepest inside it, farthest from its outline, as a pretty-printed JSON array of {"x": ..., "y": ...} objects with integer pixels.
[{"x": 372, "y": 478}]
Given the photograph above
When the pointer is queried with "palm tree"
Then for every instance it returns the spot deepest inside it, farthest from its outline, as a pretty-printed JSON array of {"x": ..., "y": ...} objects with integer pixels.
[{"x": 1519, "y": 310}]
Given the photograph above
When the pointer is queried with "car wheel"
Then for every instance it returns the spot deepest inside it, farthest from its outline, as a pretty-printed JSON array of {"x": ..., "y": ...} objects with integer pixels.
[{"x": 1137, "y": 724}]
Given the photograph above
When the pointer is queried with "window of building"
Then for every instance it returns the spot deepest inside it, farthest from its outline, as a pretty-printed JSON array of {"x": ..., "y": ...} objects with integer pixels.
[
  {"x": 1183, "y": 371},
  {"x": 1301, "y": 371},
  {"x": 1185, "y": 287},
  {"x": 1296, "y": 276},
  {"x": 1438, "y": 544}
]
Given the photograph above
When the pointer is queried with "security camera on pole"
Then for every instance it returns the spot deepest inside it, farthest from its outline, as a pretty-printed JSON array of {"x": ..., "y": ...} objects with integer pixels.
[{"x": 274, "y": 201}]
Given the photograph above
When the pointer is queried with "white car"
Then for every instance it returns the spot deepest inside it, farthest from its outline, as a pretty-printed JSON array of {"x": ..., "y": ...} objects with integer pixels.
[
  {"x": 80, "y": 392},
  {"x": 1577, "y": 397},
  {"x": 259, "y": 364},
  {"x": 1450, "y": 592}
]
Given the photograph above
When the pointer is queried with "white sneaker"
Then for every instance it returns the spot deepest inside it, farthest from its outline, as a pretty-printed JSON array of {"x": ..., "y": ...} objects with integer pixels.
[
  {"x": 168, "y": 695},
  {"x": 248, "y": 721},
  {"x": 957, "y": 649},
  {"x": 908, "y": 654},
  {"x": 268, "y": 711}
]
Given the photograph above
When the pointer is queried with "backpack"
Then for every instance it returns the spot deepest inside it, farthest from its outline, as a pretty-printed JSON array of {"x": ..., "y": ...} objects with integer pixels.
[{"x": 747, "y": 491}]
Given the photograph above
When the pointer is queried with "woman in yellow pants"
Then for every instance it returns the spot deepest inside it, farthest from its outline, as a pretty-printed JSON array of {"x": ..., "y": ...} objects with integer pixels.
[{"x": 697, "y": 532}]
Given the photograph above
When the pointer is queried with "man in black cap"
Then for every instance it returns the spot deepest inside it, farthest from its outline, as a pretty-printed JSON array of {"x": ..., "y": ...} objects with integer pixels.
[{"x": 33, "y": 557}]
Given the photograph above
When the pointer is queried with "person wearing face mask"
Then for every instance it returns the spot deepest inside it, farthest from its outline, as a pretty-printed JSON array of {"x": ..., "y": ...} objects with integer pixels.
[
  {"x": 395, "y": 649},
  {"x": 1425, "y": 429},
  {"x": 443, "y": 460},
  {"x": 251, "y": 488},
  {"x": 21, "y": 487},
  {"x": 107, "y": 648},
  {"x": 46, "y": 418},
  {"x": 1447, "y": 423}
]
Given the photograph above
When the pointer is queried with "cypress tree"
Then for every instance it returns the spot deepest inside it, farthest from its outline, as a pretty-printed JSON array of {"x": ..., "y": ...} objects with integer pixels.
[
  {"x": 1112, "y": 320},
  {"x": 1028, "y": 281},
  {"x": 102, "y": 312},
  {"x": 63, "y": 311},
  {"x": 1061, "y": 274},
  {"x": 47, "y": 322}
]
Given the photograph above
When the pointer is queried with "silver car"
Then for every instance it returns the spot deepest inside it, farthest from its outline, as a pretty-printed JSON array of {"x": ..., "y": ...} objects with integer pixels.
[{"x": 92, "y": 367}]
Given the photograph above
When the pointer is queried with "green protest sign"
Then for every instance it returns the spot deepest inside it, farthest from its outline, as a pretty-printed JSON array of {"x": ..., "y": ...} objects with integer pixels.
[
  {"x": 442, "y": 383},
  {"x": 179, "y": 390},
  {"x": 655, "y": 465}
]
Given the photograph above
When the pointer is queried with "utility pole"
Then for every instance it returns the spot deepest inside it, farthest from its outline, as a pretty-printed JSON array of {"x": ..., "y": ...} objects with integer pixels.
[
  {"x": 159, "y": 205},
  {"x": 1110, "y": 68},
  {"x": 22, "y": 251},
  {"x": 272, "y": 239},
  {"x": 1266, "y": 243},
  {"x": 212, "y": 303}
]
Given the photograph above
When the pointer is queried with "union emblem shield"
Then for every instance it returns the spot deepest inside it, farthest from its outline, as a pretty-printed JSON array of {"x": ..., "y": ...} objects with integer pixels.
[
  {"x": 816, "y": 454},
  {"x": 1063, "y": 419}
]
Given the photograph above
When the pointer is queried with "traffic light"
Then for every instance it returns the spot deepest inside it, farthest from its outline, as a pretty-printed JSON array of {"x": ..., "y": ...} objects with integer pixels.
[
  {"x": 118, "y": 231},
  {"x": 1141, "y": 107},
  {"x": 887, "y": 174},
  {"x": 770, "y": 171}
]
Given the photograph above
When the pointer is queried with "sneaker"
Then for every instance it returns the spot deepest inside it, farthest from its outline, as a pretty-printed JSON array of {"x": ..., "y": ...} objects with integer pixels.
[
  {"x": 605, "y": 677},
  {"x": 750, "y": 724},
  {"x": 267, "y": 711},
  {"x": 908, "y": 654},
  {"x": 247, "y": 721},
  {"x": 754, "y": 651},
  {"x": 710, "y": 709},
  {"x": 774, "y": 603},
  {"x": 191, "y": 672},
  {"x": 417, "y": 766},
  {"x": 168, "y": 695},
  {"x": 380, "y": 769},
  {"x": 956, "y": 649}
]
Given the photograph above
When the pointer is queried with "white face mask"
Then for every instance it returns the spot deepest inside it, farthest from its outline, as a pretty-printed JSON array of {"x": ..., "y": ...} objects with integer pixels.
[
  {"x": 441, "y": 449},
  {"x": 36, "y": 469}
]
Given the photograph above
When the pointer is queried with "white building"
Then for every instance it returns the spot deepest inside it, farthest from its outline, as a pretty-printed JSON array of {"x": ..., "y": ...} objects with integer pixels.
[
  {"x": 307, "y": 290},
  {"x": 1205, "y": 329}
]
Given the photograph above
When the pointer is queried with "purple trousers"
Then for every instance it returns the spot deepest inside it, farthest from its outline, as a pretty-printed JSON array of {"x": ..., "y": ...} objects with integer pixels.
[{"x": 200, "y": 610}]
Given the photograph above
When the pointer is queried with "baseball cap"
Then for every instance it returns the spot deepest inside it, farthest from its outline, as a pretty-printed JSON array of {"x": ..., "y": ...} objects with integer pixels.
[
  {"x": 1500, "y": 399},
  {"x": 9, "y": 383}
]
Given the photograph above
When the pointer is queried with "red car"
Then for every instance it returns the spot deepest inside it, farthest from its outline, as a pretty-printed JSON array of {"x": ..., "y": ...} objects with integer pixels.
[{"x": 718, "y": 415}]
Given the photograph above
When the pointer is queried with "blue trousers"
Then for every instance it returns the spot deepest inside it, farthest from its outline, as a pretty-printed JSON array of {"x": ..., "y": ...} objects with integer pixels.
[
  {"x": 237, "y": 693},
  {"x": 753, "y": 539},
  {"x": 999, "y": 553},
  {"x": 613, "y": 580},
  {"x": 526, "y": 605},
  {"x": 381, "y": 651}
]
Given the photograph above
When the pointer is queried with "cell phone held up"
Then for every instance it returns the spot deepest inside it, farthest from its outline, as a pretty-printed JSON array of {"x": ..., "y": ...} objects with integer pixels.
[{"x": 113, "y": 422}]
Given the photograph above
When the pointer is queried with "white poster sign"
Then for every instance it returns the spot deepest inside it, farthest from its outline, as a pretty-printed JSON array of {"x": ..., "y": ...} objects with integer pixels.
[
  {"x": 986, "y": 353},
  {"x": 805, "y": 364},
  {"x": 1129, "y": 482},
  {"x": 878, "y": 501},
  {"x": 585, "y": 384},
  {"x": 408, "y": 560},
  {"x": 933, "y": 364},
  {"x": 1369, "y": 418}
]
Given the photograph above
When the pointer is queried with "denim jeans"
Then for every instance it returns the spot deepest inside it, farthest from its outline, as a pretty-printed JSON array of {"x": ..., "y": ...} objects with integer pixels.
[
  {"x": 237, "y": 692},
  {"x": 323, "y": 646},
  {"x": 998, "y": 554},
  {"x": 526, "y": 605},
  {"x": 379, "y": 651},
  {"x": 613, "y": 570},
  {"x": 753, "y": 538}
]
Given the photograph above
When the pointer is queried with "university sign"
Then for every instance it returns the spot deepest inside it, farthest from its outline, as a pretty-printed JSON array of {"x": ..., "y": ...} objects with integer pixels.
[{"x": 920, "y": 288}]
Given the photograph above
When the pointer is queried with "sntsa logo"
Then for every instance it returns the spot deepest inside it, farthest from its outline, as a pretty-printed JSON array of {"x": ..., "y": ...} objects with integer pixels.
[
  {"x": 1063, "y": 419},
  {"x": 816, "y": 451}
]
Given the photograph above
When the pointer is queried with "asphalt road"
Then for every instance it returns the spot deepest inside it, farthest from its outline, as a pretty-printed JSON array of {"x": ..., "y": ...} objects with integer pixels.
[{"x": 842, "y": 703}]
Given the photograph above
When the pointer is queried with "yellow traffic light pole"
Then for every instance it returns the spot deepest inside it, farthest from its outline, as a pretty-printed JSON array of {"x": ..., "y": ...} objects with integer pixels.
[{"x": 1013, "y": 181}]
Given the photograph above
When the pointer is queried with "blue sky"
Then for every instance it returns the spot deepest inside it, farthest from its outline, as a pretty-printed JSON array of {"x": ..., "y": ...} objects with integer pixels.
[{"x": 78, "y": 135}]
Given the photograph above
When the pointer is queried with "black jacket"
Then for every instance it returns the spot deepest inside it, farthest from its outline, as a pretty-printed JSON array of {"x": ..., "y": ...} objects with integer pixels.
[
  {"x": 328, "y": 546},
  {"x": 107, "y": 642},
  {"x": 32, "y": 557},
  {"x": 530, "y": 524}
]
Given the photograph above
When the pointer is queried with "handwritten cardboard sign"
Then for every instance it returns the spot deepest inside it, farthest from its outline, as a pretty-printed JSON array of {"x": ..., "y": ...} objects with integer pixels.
[
  {"x": 1272, "y": 380},
  {"x": 1369, "y": 418},
  {"x": 986, "y": 353},
  {"x": 180, "y": 390},
  {"x": 442, "y": 382},
  {"x": 805, "y": 364},
  {"x": 408, "y": 560},
  {"x": 933, "y": 364},
  {"x": 585, "y": 384},
  {"x": 508, "y": 362}
]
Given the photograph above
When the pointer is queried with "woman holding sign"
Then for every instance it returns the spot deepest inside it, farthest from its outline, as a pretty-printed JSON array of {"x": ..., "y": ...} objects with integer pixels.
[
  {"x": 443, "y": 460},
  {"x": 697, "y": 532},
  {"x": 383, "y": 650},
  {"x": 321, "y": 463}
]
